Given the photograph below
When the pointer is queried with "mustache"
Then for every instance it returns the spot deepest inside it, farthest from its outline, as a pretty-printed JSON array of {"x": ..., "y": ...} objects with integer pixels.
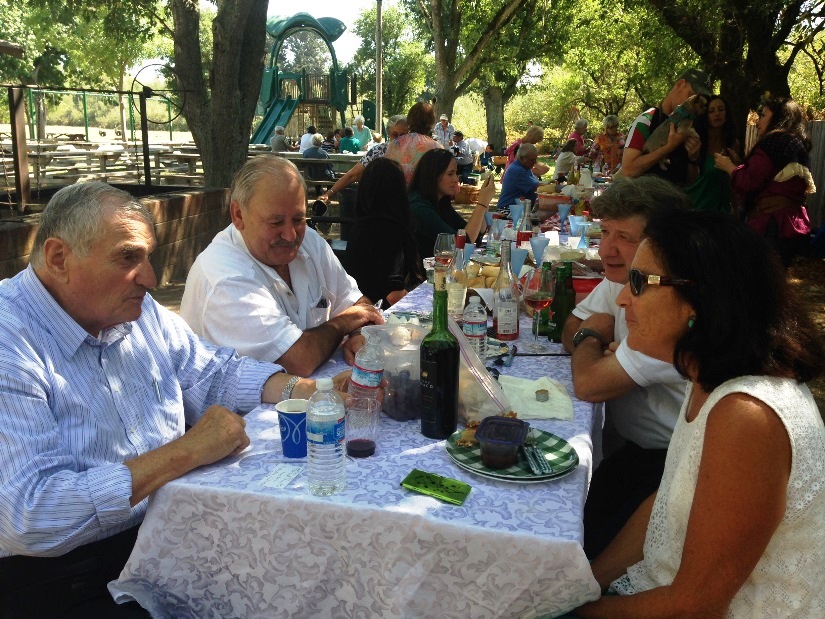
[{"x": 293, "y": 244}]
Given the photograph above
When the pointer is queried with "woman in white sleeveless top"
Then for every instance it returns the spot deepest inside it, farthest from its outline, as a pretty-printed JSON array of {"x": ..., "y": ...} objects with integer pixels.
[{"x": 737, "y": 528}]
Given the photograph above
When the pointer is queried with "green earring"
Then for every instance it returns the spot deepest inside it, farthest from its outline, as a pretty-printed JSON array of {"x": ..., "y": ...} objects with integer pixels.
[{"x": 691, "y": 322}]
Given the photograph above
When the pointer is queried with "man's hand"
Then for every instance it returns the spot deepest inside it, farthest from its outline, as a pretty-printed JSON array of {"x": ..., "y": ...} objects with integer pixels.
[
  {"x": 603, "y": 324},
  {"x": 219, "y": 433},
  {"x": 352, "y": 346},
  {"x": 674, "y": 139},
  {"x": 357, "y": 316}
]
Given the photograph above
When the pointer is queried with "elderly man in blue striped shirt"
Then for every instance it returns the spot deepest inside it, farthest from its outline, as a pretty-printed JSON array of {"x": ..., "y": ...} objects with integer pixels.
[{"x": 97, "y": 383}]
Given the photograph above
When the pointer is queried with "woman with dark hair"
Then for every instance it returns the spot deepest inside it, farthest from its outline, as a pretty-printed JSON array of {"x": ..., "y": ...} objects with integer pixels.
[
  {"x": 565, "y": 161},
  {"x": 717, "y": 131},
  {"x": 433, "y": 187},
  {"x": 775, "y": 178},
  {"x": 408, "y": 149},
  {"x": 735, "y": 528},
  {"x": 381, "y": 253}
]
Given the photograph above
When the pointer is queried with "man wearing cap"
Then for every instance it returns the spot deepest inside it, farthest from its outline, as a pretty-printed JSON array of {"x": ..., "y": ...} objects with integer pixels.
[
  {"x": 306, "y": 139},
  {"x": 681, "y": 150},
  {"x": 443, "y": 132},
  {"x": 461, "y": 150}
]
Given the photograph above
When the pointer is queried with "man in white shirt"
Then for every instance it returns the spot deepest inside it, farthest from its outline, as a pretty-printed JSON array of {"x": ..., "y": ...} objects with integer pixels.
[
  {"x": 306, "y": 139},
  {"x": 443, "y": 132},
  {"x": 270, "y": 287},
  {"x": 461, "y": 150},
  {"x": 643, "y": 395}
]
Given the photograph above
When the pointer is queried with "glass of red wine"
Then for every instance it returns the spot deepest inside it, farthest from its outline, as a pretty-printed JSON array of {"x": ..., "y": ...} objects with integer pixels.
[
  {"x": 538, "y": 295},
  {"x": 361, "y": 426},
  {"x": 444, "y": 249}
]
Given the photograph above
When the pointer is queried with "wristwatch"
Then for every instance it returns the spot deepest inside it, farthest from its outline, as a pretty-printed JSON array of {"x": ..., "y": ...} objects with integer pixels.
[
  {"x": 290, "y": 385},
  {"x": 584, "y": 333}
]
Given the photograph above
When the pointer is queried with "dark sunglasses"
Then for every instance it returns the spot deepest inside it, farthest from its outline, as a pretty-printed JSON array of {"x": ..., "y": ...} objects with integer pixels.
[{"x": 639, "y": 280}]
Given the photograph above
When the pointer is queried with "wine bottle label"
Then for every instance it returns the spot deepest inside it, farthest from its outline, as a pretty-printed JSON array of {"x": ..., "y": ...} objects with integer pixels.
[
  {"x": 366, "y": 378},
  {"x": 440, "y": 280},
  {"x": 507, "y": 318},
  {"x": 325, "y": 433}
]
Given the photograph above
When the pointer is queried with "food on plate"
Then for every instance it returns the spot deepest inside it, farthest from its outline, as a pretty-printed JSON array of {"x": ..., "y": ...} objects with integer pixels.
[{"x": 490, "y": 271}]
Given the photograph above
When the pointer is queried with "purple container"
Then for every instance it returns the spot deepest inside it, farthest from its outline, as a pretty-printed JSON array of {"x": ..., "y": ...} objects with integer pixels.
[{"x": 500, "y": 438}]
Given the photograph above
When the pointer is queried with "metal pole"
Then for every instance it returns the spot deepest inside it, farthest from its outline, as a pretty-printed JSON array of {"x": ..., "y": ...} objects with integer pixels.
[
  {"x": 169, "y": 116},
  {"x": 85, "y": 117},
  {"x": 144, "y": 132},
  {"x": 379, "y": 69},
  {"x": 131, "y": 117}
]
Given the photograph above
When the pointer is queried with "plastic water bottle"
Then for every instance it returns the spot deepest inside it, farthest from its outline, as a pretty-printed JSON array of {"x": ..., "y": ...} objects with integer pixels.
[
  {"x": 475, "y": 327},
  {"x": 326, "y": 460},
  {"x": 367, "y": 370}
]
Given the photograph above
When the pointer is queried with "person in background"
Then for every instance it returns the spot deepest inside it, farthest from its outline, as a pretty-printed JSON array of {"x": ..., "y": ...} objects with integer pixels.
[
  {"x": 735, "y": 529},
  {"x": 717, "y": 132},
  {"x": 775, "y": 178},
  {"x": 362, "y": 133},
  {"x": 443, "y": 132},
  {"x": 408, "y": 149},
  {"x": 681, "y": 150},
  {"x": 377, "y": 139},
  {"x": 98, "y": 382},
  {"x": 433, "y": 187},
  {"x": 329, "y": 143},
  {"x": 348, "y": 143},
  {"x": 642, "y": 395},
  {"x": 519, "y": 181},
  {"x": 318, "y": 171},
  {"x": 533, "y": 135},
  {"x": 268, "y": 286},
  {"x": 396, "y": 127},
  {"x": 278, "y": 143},
  {"x": 485, "y": 160},
  {"x": 461, "y": 152},
  {"x": 580, "y": 135},
  {"x": 565, "y": 161},
  {"x": 306, "y": 139},
  {"x": 381, "y": 252},
  {"x": 607, "y": 148},
  {"x": 336, "y": 134}
]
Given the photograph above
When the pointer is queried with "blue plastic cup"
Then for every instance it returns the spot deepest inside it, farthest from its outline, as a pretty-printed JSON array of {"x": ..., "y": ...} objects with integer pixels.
[
  {"x": 539, "y": 244},
  {"x": 292, "y": 420},
  {"x": 517, "y": 258},
  {"x": 469, "y": 248}
]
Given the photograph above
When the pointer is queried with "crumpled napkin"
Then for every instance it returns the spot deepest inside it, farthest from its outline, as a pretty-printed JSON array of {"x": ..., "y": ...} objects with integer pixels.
[{"x": 522, "y": 395}]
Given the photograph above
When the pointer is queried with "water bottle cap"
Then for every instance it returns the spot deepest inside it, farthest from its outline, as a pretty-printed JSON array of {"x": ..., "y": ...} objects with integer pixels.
[
  {"x": 475, "y": 299},
  {"x": 323, "y": 384}
]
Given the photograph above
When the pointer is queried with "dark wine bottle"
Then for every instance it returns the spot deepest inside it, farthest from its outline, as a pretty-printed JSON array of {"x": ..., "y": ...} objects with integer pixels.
[
  {"x": 439, "y": 369},
  {"x": 564, "y": 300}
]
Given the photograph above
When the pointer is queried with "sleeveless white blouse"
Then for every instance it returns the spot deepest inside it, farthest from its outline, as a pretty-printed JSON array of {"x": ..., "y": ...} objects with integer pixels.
[{"x": 789, "y": 579}]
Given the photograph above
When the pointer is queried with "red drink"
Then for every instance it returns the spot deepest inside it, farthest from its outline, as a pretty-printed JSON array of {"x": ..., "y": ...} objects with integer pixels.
[
  {"x": 538, "y": 301},
  {"x": 360, "y": 448},
  {"x": 523, "y": 236}
]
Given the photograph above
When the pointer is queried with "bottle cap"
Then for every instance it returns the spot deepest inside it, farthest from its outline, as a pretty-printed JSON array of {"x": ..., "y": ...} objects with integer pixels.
[{"x": 323, "y": 384}]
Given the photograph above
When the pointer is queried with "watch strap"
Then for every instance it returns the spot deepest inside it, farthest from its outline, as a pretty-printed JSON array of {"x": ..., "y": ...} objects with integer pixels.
[
  {"x": 584, "y": 333},
  {"x": 290, "y": 385}
]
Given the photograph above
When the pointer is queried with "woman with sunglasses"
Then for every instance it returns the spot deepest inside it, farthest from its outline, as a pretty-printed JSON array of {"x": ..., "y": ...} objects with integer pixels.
[
  {"x": 735, "y": 528},
  {"x": 776, "y": 177}
]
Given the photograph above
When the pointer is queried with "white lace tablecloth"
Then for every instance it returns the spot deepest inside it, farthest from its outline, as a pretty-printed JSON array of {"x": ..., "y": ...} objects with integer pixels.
[{"x": 219, "y": 542}]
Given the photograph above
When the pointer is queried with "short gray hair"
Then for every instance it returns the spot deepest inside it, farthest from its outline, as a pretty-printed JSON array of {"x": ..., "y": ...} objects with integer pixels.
[
  {"x": 581, "y": 122},
  {"x": 280, "y": 169},
  {"x": 317, "y": 139},
  {"x": 611, "y": 120},
  {"x": 278, "y": 129},
  {"x": 73, "y": 215},
  {"x": 526, "y": 150},
  {"x": 394, "y": 120},
  {"x": 641, "y": 196},
  {"x": 358, "y": 118}
]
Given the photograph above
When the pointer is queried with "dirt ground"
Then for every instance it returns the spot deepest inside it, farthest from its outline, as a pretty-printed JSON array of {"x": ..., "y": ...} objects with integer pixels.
[{"x": 807, "y": 277}]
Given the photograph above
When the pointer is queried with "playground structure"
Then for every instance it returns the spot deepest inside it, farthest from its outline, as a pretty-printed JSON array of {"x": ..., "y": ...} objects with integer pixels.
[{"x": 296, "y": 100}]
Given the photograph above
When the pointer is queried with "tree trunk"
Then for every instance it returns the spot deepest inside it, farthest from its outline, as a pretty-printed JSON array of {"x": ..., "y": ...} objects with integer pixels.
[
  {"x": 220, "y": 114},
  {"x": 494, "y": 110}
]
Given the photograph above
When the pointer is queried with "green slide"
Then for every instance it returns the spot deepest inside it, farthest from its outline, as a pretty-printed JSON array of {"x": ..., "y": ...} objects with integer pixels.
[{"x": 278, "y": 113}]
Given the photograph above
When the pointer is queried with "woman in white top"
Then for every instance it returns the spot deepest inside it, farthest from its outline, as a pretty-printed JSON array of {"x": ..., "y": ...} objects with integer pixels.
[
  {"x": 565, "y": 161},
  {"x": 737, "y": 527}
]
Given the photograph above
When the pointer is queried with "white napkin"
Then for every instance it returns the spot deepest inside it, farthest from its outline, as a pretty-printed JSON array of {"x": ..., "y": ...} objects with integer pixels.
[{"x": 522, "y": 395}]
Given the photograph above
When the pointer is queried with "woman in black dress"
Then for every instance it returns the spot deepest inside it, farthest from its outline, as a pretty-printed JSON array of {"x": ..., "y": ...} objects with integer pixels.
[{"x": 381, "y": 252}]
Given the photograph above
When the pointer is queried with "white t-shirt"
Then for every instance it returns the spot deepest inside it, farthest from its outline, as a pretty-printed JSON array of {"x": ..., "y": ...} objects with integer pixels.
[
  {"x": 564, "y": 163},
  {"x": 788, "y": 579},
  {"x": 647, "y": 414},
  {"x": 232, "y": 299},
  {"x": 306, "y": 142}
]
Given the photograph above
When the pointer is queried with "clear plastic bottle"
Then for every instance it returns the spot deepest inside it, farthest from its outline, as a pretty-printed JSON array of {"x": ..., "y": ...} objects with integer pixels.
[
  {"x": 326, "y": 459},
  {"x": 368, "y": 369},
  {"x": 457, "y": 280},
  {"x": 475, "y": 327}
]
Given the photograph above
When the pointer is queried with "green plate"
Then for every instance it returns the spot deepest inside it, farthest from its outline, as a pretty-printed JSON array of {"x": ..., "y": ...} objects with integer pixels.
[{"x": 557, "y": 451}]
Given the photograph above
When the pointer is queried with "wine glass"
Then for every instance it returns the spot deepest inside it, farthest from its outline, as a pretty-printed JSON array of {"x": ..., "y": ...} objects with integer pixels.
[
  {"x": 538, "y": 294},
  {"x": 444, "y": 249},
  {"x": 564, "y": 211}
]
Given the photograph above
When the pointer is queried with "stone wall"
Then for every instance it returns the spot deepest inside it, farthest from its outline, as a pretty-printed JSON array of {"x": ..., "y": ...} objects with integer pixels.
[{"x": 185, "y": 223}]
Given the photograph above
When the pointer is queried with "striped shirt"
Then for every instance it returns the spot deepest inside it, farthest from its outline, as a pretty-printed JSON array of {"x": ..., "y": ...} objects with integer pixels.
[{"x": 75, "y": 407}]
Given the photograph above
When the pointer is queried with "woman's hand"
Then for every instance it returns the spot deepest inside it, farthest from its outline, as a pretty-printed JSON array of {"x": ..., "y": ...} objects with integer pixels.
[
  {"x": 487, "y": 191},
  {"x": 723, "y": 162}
]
